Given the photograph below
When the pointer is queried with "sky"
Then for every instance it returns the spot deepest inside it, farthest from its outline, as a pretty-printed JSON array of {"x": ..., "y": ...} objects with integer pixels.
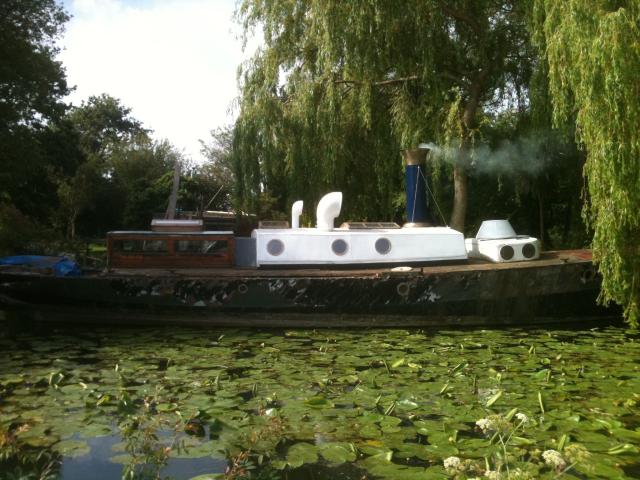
[{"x": 173, "y": 62}]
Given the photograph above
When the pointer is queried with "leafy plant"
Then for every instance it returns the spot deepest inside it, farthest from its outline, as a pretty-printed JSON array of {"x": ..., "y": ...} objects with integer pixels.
[{"x": 19, "y": 461}]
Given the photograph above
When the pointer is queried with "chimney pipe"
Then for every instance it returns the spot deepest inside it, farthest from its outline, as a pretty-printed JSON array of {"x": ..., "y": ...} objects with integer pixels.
[{"x": 415, "y": 187}]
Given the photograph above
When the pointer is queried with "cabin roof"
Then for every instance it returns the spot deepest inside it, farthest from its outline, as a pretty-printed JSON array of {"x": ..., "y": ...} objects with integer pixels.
[{"x": 168, "y": 234}]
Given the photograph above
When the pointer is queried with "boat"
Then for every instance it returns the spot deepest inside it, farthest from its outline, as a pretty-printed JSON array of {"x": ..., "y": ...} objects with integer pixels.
[{"x": 358, "y": 274}]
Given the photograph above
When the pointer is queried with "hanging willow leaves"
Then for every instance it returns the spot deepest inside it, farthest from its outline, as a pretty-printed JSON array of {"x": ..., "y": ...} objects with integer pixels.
[
  {"x": 339, "y": 88},
  {"x": 593, "y": 55}
]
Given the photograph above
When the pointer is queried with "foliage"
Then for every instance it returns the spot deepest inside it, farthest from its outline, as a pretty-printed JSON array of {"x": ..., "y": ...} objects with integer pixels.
[
  {"x": 384, "y": 403},
  {"x": 21, "y": 462},
  {"x": 340, "y": 87},
  {"x": 141, "y": 427},
  {"x": 104, "y": 123},
  {"x": 592, "y": 52},
  {"x": 32, "y": 82},
  {"x": 121, "y": 177},
  {"x": 210, "y": 185},
  {"x": 16, "y": 230},
  {"x": 142, "y": 174}
]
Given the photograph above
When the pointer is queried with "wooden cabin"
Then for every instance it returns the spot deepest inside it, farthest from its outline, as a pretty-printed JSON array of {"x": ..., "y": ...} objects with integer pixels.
[{"x": 167, "y": 249}]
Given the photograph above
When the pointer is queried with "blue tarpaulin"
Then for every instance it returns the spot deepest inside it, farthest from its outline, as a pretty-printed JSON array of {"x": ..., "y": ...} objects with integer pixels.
[{"x": 60, "y": 266}]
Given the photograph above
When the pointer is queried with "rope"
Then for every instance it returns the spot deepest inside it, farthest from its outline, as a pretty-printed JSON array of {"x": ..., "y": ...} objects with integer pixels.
[
  {"x": 415, "y": 195},
  {"x": 433, "y": 197}
]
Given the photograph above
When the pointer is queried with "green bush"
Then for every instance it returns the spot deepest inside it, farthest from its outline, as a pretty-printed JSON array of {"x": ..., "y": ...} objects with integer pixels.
[{"x": 18, "y": 232}]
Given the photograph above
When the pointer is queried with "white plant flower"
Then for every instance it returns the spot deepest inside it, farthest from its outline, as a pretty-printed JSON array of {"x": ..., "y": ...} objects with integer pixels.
[
  {"x": 554, "y": 459},
  {"x": 452, "y": 463},
  {"x": 484, "y": 424},
  {"x": 522, "y": 417}
]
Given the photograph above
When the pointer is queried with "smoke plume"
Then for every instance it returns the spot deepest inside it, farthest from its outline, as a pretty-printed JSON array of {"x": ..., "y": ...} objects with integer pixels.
[{"x": 523, "y": 156}]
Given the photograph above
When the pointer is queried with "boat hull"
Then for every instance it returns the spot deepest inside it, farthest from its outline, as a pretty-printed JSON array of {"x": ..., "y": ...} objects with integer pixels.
[{"x": 559, "y": 287}]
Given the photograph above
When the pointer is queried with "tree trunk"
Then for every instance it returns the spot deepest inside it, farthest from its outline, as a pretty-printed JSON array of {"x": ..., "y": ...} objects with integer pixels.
[
  {"x": 460, "y": 196},
  {"x": 541, "y": 217},
  {"x": 460, "y": 191},
  {"x": 71, "y": 228}
]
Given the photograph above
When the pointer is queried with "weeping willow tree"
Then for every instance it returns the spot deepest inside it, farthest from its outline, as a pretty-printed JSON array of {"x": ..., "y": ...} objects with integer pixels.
[
  {"x": 592, "y": 50},
  {"x": 340, "y": 87}
]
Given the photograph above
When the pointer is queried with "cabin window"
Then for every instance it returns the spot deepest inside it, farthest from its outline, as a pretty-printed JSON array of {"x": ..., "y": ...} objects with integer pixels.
[
  {"x": 383, "y": 246},
  {"x": 137, "y": 246},
  {"x": 219, "y": 248},
  {"x": 339, "y": 247},
  {"x": 155, "y": 246},
  {"x": 275, "y": 247},
  {"x": 528, "y": 250},
  {"x": 507, "y": 252}
]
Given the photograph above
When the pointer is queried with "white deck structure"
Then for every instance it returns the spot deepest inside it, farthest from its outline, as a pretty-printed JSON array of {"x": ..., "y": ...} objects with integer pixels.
[
  {"x": 326, "y": 245},
  {"x": 497, "y": 241}
]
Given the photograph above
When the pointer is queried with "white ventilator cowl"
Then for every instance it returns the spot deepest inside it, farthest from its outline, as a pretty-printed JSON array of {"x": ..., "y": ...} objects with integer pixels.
[
  {"x": 495, "y": 229},
  {"x": 328, "y": 209},
  {"x": 296, "y": 211}
]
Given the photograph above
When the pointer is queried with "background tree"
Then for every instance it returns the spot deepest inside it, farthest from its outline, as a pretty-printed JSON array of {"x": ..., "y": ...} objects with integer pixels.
[
  {"x": 32, "y": 85},
  {"x": 32, "y": 82},
  {"x": 210, "y": 185},
  {"x": 141, "y": 179},
  {"x": 592, "y": 55},
  {"x": 340, "y": 87},
  {"x": 104, "y": 130}
]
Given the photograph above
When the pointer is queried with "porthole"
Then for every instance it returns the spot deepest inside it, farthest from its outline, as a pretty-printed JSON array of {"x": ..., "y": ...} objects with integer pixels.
[
  {"x": 339, "y": 247},
  {"x": 383, "y": 246},
  {"x": 528, "y": 250},
  {"x": 506, "y": 252},
  {"x": 402, "y": 289},
  {"x": 275, "y": 247}
]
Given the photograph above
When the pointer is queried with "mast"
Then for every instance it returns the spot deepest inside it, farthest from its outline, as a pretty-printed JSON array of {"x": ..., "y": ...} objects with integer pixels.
[{"x": 173, "y": 199}]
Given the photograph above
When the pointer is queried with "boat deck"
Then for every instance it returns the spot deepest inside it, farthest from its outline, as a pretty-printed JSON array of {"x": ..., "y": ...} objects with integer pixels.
[{"x": 559, "y": 257}]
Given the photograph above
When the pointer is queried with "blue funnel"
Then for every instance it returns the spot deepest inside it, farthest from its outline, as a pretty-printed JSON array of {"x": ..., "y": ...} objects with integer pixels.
[{"x": 416, "y": 188}]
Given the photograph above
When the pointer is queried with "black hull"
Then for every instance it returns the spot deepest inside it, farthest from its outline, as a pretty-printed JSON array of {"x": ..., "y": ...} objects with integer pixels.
[{"x": 563, "y": 286}]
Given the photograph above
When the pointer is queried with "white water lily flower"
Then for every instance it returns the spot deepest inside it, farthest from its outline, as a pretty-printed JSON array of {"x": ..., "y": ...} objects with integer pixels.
[
  {"x": 522, "y": 417},
  {"x": 452, "y": 463},
  {"x": 554, "y": 459}
]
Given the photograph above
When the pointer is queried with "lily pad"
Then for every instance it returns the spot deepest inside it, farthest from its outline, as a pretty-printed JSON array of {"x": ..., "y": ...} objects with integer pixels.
[
  {"x": 72, "y": 448},
  {"x": 301, "y": 453},
  {"x": 337, "y": 453}
]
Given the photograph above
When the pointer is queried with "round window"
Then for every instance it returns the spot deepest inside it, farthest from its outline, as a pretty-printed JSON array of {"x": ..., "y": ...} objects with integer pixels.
[
  {"x": 383, "y": 246},
  {"x": 528, "y": 250},
  {"x": 339, "y": 247},
  {"x": 275, "y": 247},
  {"x": 507, "y": 252}
]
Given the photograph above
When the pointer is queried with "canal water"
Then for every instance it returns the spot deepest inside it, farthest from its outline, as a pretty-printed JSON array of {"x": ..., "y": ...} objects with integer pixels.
[{"x": 554, "y": 402}]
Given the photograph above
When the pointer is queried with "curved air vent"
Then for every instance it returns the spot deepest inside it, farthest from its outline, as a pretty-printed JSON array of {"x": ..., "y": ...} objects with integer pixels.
[{"x": 328, "y": 209}]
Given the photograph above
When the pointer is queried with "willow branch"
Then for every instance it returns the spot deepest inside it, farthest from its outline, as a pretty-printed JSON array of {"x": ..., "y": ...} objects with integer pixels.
[
  {"x": 380, "y": 83},
  {"x": 462, "y": 16}
]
